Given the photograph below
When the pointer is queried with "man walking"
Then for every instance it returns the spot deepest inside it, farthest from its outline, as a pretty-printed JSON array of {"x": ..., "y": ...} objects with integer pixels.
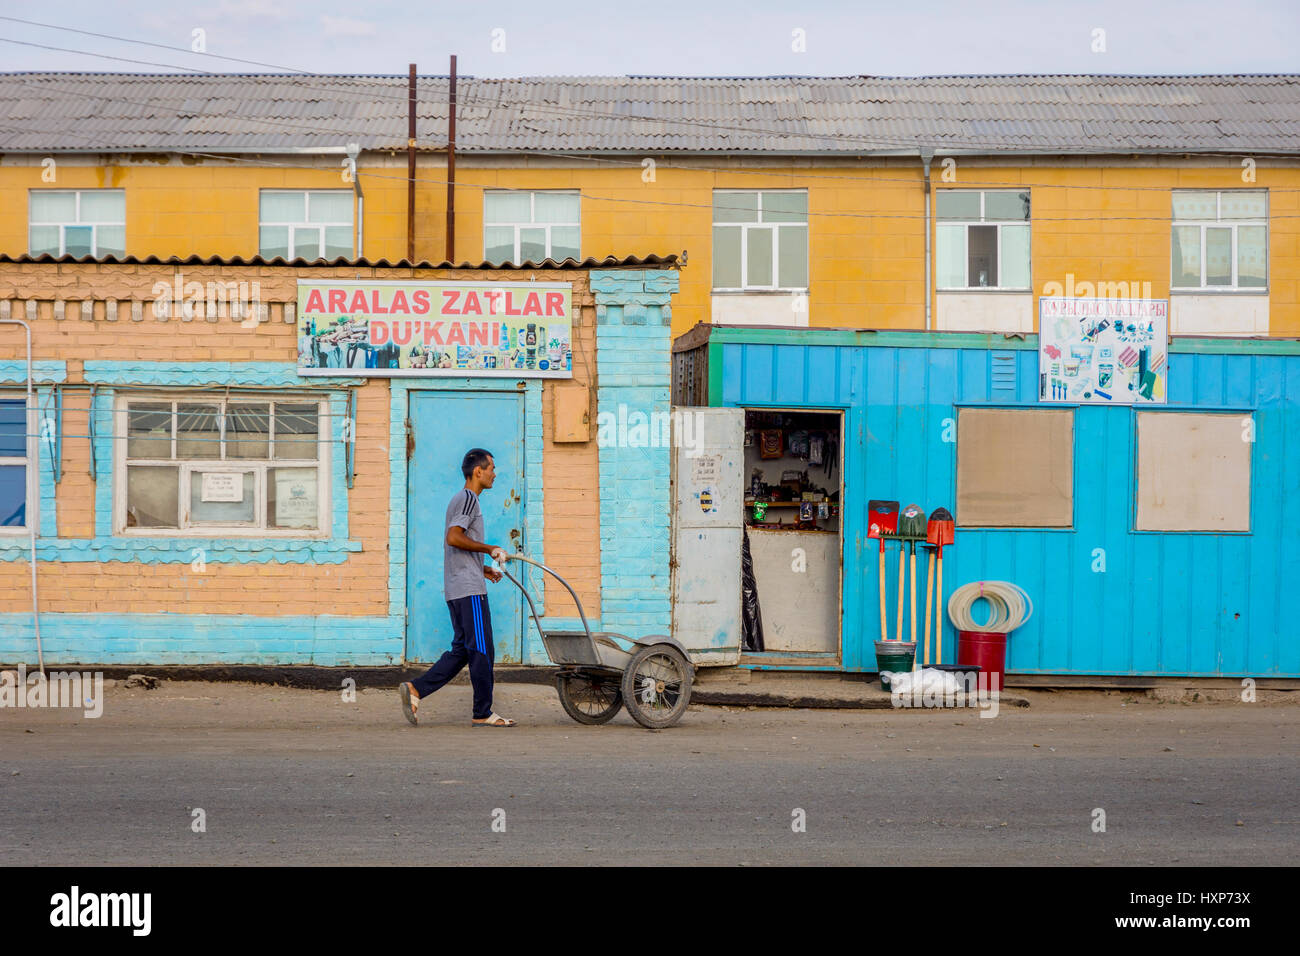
[{"x": 463, "y": 574}]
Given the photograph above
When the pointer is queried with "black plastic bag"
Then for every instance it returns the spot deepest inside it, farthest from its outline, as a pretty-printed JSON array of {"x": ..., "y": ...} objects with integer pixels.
[{"x": 751, "y": 617}]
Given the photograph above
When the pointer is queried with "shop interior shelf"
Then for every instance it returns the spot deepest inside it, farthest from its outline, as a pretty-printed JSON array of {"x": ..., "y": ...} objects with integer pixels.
[{"x": 783, "y": 504}]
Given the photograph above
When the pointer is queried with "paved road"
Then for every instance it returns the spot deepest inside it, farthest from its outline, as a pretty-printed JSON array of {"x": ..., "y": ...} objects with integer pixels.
[{"x": 302, "y": 777}]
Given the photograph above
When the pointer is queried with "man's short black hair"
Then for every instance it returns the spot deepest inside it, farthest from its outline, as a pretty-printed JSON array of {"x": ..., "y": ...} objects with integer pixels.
[{"x": 474, "y": 458}]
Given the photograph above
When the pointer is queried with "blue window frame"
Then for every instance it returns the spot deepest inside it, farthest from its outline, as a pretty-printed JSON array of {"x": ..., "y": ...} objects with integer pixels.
[{"x": 17, "y": 457}]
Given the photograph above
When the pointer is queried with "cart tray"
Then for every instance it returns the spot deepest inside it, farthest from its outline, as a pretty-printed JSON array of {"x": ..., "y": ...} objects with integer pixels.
[{"x": 574, "y": 647}]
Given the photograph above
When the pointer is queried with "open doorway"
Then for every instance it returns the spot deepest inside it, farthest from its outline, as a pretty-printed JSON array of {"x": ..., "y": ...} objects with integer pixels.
[{"x": 791, "y": 582}]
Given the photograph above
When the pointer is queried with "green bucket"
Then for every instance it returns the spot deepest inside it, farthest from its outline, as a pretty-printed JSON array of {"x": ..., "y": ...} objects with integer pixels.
[{"x": 894, "y": 657}]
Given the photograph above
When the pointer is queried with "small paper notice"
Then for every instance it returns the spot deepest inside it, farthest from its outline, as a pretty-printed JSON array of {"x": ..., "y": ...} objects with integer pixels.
[
  {"x": 705, "y": 470},
  {"x": 222, "y": 486}
]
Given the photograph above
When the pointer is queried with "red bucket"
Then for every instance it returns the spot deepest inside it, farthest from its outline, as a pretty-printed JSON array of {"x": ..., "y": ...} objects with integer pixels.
[{"x": 988, "y": 649}]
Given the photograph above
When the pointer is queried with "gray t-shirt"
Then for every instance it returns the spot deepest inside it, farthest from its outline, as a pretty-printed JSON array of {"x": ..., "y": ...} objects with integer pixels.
[{"x": 462, "y": 571}]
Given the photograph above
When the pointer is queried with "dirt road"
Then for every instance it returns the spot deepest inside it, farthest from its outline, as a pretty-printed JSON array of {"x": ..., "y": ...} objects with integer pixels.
[{"x": 305, "y": 777}]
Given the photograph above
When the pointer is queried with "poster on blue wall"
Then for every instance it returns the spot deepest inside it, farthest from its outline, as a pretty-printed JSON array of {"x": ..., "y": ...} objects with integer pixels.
[{"x": 1103, "y": 351}]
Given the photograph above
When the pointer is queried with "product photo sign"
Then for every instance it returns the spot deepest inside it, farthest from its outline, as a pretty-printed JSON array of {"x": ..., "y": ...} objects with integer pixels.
[
  {"x": 450, "y": 329},
  {"x": 1102, "y": 351}
]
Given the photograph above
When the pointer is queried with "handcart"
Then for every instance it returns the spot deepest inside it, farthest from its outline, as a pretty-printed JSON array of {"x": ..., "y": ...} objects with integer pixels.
[{"x": 597, "y": 675}]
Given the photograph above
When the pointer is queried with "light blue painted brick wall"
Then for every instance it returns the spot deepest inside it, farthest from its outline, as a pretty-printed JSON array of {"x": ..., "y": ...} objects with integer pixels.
[
  {"x": 325, "y": 640},
  {"x": 633, "y": 359},
  {"x": 633, "y": 356},
  {"x": 45, "y": 371},
  {"x": 328, "y": 640}
]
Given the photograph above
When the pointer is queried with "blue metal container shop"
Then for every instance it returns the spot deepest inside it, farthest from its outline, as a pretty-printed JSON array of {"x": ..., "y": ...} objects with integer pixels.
[{"x": 1167, "y": 603}]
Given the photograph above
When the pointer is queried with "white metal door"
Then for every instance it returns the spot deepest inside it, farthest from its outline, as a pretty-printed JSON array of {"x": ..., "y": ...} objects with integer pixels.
[{"x": 708, "y": 506}]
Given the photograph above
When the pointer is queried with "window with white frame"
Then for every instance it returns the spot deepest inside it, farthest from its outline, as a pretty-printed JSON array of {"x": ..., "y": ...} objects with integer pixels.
[
  {"x": 1220, "y": 239},
  {"x": 982, "y": 239},
  {"x": 521, "y": 226},
  {"x": 77, "y": 222},
  {"x": 760, "y": 240},
  {"x": 305, "y": 223},
  {"x": 202, "y": 465},
  {"x": 17, "y": 464}
]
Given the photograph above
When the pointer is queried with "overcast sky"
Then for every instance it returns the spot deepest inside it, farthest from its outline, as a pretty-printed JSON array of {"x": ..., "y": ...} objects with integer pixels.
[{"x": 679, "y": 37}]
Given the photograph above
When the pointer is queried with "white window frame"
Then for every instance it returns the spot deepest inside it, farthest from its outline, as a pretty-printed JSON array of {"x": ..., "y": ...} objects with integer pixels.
[
  {"x": 32, "y": 462},
  {"x": 77, "y": 222},
  {"x": 774, "y": 228},
  {"x": 1219, "y": 223},
  {"x": 293, "y": 227},
  {"x": 965, "y": 224},
  {"x": 259, "y": 466},
  {"x": 532, "y": 215}
]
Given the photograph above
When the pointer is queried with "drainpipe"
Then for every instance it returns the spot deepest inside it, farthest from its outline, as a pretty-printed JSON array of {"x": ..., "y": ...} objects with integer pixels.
[
  {"x": 358, "y": 233},
  {"x": 31, "y": 525},
  {"x": 927, "y": 154}
]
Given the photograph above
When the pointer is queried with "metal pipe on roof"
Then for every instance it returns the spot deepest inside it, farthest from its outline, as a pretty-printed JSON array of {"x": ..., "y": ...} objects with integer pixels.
[
  {"x": 410, "y": 164},
  {"x": 451, "y": 164},
  {"x": 31, "y": 525}
]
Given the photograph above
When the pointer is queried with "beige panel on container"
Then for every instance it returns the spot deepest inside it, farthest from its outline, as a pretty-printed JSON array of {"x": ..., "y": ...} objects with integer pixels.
[
  {"x": 1015, "y": 468},
  {"x": 572, "y": 420},
  {"x": 1193, "y": 472}
]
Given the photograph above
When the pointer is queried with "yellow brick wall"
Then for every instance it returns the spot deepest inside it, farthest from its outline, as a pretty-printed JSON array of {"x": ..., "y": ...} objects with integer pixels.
[
  {"x": 867, "y": 230},
  {"x": 358, "y": 586},
  {"x": 1070, "y": 234}
]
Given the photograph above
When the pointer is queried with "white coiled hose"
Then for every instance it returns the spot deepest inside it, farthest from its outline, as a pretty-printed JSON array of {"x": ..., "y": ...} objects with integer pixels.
[{"x": 1011, "y": 606}]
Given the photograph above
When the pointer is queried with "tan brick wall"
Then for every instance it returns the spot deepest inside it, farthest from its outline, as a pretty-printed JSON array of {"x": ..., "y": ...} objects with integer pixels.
[
  {"x": 359, "y": 585},
  {"x": 571, "y": 474}
]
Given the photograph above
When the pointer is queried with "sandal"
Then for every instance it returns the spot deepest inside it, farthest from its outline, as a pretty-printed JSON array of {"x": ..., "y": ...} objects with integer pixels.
[
  {"x": 494, "y": 721},
  {"x": 410, "y": 702}
]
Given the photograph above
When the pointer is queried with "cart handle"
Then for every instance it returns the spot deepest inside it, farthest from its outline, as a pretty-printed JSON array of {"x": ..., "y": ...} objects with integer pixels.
[{"x": 520, "y": 556}]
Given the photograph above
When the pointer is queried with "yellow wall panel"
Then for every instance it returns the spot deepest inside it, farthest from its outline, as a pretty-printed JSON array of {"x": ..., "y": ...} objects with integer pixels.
[{"x": 1094, "y": 222}]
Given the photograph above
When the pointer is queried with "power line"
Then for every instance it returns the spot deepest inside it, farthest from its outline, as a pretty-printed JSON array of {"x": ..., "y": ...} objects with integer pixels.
[
  {"x": 102, "y": 56},
  {"x": 161, "y": 46}
]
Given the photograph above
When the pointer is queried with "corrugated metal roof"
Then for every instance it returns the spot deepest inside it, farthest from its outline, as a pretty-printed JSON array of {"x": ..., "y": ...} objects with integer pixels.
[
  {"x": 609, "y": 262},
  {"x": 781, "y": 115}
]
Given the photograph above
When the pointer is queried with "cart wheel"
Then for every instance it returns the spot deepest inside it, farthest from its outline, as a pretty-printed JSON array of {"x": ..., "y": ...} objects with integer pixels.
[
  {"x": 589, "y": 700},
  {"x": 657, "y": 686}
]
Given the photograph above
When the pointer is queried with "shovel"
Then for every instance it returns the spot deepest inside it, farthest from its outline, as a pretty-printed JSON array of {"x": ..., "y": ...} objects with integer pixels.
[
  {"x": 911, "y": 529},
  {"x": 938, "y": 532},
  {"x": 929, "y": 594},
  {"x": 882, "y": 522}
]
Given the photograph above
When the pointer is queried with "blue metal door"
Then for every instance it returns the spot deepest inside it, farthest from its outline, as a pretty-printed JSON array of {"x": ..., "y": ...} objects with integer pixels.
[{"x": 444, "y": 426}]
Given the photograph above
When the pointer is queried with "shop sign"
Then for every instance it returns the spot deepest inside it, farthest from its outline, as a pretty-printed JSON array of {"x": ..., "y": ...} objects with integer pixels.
[
  {"x": 435, "y": 329},
  {"x": 1102, "y": 351}
]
